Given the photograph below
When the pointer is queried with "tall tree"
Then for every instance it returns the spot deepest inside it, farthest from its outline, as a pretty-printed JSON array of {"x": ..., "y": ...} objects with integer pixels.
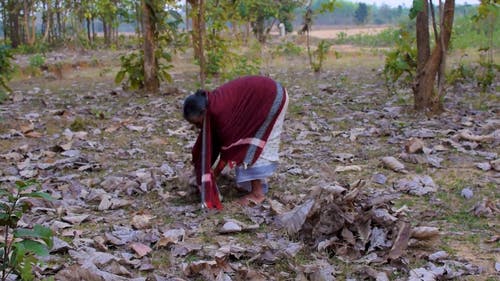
[
  {"x": 151, "y": 81},
  {"x": 264, "y": 14},
  {"x": 12, "y": 26},
  {"x": 361, "y": 13},
  {"x": 198, "y": 35},
  {"x": 431, "y": 64}
]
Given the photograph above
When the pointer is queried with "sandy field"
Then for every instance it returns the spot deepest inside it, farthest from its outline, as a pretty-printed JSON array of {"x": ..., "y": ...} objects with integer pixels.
[{"x": 329, "y": 32}]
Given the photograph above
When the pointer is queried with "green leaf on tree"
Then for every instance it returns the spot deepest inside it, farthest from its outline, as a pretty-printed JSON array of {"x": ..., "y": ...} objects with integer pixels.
[
  {"x": 35, "y": 247},
  {"x": 417, "y": 7},
  {"x": 119, "y": 76},
  {"x": 42, "y": 195}
]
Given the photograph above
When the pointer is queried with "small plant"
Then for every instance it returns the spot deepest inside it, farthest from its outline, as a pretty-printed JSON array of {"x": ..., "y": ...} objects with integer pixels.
[
  {"x": 218, "y": 54},
  {"x": 6, "y": 67},
  {"x": 37, "y": 61},
  {"x": 320, "y": 55},
  {"x": 317, "y": 57},
  {"x": 401, "y": 62},
  {"x": 486, "y": 72},
  {"x": 288, "y": 49},
  {"x": 460, "y": 73},
  {"x": 132, "y": 65},
  {"x": 21, "y": 247},
  {"x": 243, "y": 66},
  {"x": 341, "y": 37}
]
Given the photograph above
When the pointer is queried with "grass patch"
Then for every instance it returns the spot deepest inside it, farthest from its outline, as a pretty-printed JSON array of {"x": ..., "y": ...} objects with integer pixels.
[
  {"x": 445, "y": 245},
  {"x": 80, "y": 124},
  {"x": 160, "y": 258},
  {"x": 191, "y": 258},
  {"x": 465, "y": 220}
]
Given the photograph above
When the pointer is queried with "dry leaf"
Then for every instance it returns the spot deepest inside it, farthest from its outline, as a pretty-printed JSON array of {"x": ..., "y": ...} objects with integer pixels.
[
  {"x": 393, "y": 164},
  {"x": 417, "y": 185},
  {"x": 439, "y": 255},
  {"x": 424, "y": 232},
  {"x": 485, "y": 208},
  {"x": 421, "y": 274},
  {"x": 171, "y": 236},
  {"x": 141, "y": 221},
  {"x": 350, "y": 168},
  {"x": 33, "y": 134},
  {"x": 140, "y": 249},
  {"x": 113, "y": 128},
  {"x": 277, "y": 207},
  {"x": 27, "y": 128},
  {"x": 75, "y": 219},
  {"x": 401, "y": 241},
  {"x": 468, "y": 135},
  {"x": 66, "y": 146},
  {"x": 496, "y": 165},
  {"x": 294, "y": 219},
  {"x": 100, "y": 243},
  {"x": 414, "y": 145},
  {"x": 12, "y": 156},
  {"x": 230, "y": 227}
]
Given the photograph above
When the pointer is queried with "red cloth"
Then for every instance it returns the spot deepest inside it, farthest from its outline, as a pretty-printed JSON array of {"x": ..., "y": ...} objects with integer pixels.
[{"x": 236, "y": 111}]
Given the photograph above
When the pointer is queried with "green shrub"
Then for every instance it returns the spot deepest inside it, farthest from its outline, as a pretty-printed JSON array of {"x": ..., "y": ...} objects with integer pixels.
[
  {"x": 288, "y": 49},
  {"x": 21, "y": 248},
  {"x": 38, "y": 47},
  {"x": 486, "y": 72},
  {"x": 6, "y": 67},
  {"x": 37, "y": 60},
  {"x": 467, "y": 33},
  {"x": 382, "y": 39},
  {"x": 242, "y": 66},
  {"x": 132, "y": 65},
  {"x": 320, "y": 55},
  {"x": 401, "y": 62},
  {"x": 460, "y": 73}
]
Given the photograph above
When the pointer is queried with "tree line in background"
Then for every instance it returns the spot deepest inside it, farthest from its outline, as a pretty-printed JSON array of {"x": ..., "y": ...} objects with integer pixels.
[{"x": 218, "y": 30}]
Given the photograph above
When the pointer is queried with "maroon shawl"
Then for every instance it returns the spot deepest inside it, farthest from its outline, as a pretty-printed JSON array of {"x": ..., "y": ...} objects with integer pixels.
[{"x": 240, "y": 116}]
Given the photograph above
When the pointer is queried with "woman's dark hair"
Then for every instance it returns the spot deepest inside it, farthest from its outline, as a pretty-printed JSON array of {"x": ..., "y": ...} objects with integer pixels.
[{"x": 195, "y": 104}]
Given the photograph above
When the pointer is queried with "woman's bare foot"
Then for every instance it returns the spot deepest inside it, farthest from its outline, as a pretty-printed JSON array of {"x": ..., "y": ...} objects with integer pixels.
[
  {"x": 256, "y": 196},
  {"x": 251, "y": 199}
]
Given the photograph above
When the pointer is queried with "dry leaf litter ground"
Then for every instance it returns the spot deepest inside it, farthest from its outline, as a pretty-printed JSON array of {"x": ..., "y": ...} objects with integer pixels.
[{"x": 367, "y": 189}]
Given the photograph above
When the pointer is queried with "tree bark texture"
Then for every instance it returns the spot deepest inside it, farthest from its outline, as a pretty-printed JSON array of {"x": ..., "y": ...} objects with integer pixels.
[
  {"x": 201, "y": 38},
  {"x": 198, "y": 35},
  {"x": 195, "y": 27},
  {"x": 151, "y": 81},
  {"x": 425, "y": 96}
]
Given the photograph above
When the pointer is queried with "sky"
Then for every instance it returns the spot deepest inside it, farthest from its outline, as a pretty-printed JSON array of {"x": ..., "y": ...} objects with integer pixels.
[{"x": 407, "y": 3}]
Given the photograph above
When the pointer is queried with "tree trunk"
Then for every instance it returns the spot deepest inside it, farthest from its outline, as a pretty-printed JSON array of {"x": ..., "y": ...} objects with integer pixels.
[
  {"x": 33, "y": 31},
  {"x": 425, "y": 96},
  {"x": 26, "y": 21},
  {"x": 89, "y": 31},
  {"x": 196, "y": 25},
  {"x": 151, "y": 81},
  {"x": 201, "y": 21},
  {"x": 105, "y": 31},
  {"x": 48, "y": 17},
  {"x": 138, "y": 14},
  {"x": 58, "y": 19},
  {"x": 423, "y": 53},
  {"x": 14, "y": 25},
  {"x": 259, "y": 29},
  {"x": 5, "y": 20},
  {"x": 93, "y": 29},
  {"x": 32, "y": 37},
  {"x": 187, "y": 17}
]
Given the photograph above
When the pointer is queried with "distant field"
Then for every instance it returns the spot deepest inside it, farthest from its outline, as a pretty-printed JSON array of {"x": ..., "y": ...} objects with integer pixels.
[{"x": 331, "y": 32}]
